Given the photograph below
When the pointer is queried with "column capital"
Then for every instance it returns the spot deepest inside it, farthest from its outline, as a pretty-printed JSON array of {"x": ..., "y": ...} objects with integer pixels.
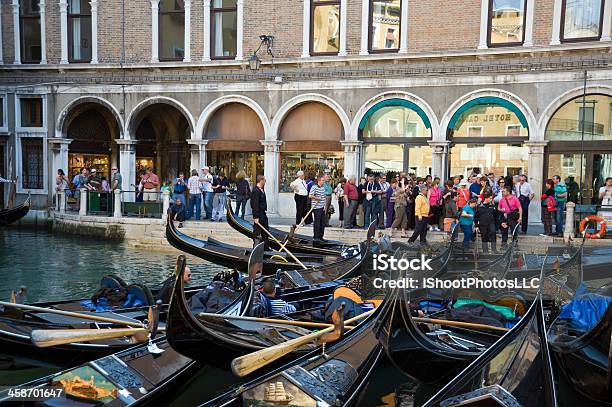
[
  {"x": 155, "y": 4},
  {"x": 59, "y": 141},
  {"x": 351, "y": 146},
  {"x": 271, "y": 146},
  {"x": 187, "y": 3},
  {"x": 94, "y": 4},
  {"x": 206, "y": 3},
  {"x": 536, "y": 147},
  {"x": 439, "y": 147},
  {"x": 197, "y": 142},
  {"x": 15, "y": 5},
  {"x": 63, "y": 5}
]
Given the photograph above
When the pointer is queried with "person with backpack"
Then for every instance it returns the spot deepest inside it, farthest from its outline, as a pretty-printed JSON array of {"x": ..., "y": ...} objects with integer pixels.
[
  {"x": 243, "y": 193},
  {"x": 466, "y": 221},
  {"x": 549, "y": 207},
  {"x": 510, "y": 213}
]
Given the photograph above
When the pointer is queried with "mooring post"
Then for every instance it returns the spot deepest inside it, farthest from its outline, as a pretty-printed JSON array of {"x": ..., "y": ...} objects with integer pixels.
[
  {"x": 568, "y": 229},
  {"x": 83, "y": 206},
  {"x": 117, "y": 201},
  {"x": 166, "y": 206},
  {"x": 61, "y": 199}
]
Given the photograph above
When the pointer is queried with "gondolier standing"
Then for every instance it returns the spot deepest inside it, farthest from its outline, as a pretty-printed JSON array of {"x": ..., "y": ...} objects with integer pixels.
[
  {"x": 259, "y": 206},
  {"x": 300, "y": 191},
  {"x": 317, "y": 197}
]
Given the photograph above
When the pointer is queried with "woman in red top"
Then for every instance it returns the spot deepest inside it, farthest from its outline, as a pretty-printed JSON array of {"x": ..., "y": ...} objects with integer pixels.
[
  {"x": 434, "y": 196},
  {"x": 511, "y": 213},
  {"x": 549, "y": 207},
  {"x": 463, "y": 194}
]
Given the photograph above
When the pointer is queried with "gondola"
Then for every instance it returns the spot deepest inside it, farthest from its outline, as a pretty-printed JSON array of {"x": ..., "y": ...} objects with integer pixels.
[
  {"x": 297, "y": 243},
  {"x": 16, "y": 326},
  {"x": 237, "y": 257},
  {"x": 215, "y": 341},
  {"x": 430, "y": 354},
  {"x": 515, "y": 371},
  {"x": 333, "y": 376},
  {"x": 8, "y": 216}
]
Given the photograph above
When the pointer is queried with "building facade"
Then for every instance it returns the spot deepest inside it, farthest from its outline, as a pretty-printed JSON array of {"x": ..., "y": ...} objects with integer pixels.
[{"x": 513, "y": 86}]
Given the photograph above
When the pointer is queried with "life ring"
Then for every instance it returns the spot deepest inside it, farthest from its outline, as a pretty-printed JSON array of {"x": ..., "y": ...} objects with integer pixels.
[{"x": 602, "y": 227}]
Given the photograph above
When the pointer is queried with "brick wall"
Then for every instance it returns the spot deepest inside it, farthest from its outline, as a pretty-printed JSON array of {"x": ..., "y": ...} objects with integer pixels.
[
  {"x": 53, "y": 31},
  {"x": 460, "y": 28},
  {"x": 197, "y": 30},
  {"x": 7, "y": 33},
  {"x": 543, "y": 22},
  {"x": 353, "y": 27}
]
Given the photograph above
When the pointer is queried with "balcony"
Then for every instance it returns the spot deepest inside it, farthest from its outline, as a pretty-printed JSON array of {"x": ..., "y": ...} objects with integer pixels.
[{"x": 571, "y": 130}]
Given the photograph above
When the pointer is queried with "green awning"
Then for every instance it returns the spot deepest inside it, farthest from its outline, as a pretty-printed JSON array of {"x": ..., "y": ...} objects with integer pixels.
[
  {"x": 485, "y": 100},
  {"x": 395, "y": 102}
]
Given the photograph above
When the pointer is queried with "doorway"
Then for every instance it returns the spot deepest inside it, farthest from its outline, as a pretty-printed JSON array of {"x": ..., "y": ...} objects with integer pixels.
[{"x": 583, "y": 174}]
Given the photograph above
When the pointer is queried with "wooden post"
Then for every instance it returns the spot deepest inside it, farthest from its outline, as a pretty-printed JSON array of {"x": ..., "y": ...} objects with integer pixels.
[
  {"x": 83, "y": 202},
  {"x": 568, "y": 229},
  {"x": 117, "y": 204}
]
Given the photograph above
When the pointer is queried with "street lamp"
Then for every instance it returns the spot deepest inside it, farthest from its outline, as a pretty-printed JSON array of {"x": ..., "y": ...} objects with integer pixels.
[{"x": 254, "y": 61}]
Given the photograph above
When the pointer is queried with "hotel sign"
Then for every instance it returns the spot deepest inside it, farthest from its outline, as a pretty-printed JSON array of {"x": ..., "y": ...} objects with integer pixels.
[{"x": 485, "y": 118}]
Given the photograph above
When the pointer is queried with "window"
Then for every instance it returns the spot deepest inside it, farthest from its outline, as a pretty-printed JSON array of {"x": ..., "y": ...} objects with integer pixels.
[
  {"x": 31, "y": 112},
  {"x": 29, "y": 20},
  {"x": 171, "y": 30},
  {"x": 581, "y": 20},
  {"x": 79, "y": 31},
  {"x": 593, "y": 115},
  {"x": 506, "y": 22},
  {"x": 385, "y": 16},
  {"x": 224, "y": 27},
  {"x": 32, "y": 163},
  {"x": 325, "y": 27},
  {"x": 487, "y": 120},
  {"x": 513, "y": 130},
  {"x": 474, "y": 131},
  {"x": 395, "y": 121}
]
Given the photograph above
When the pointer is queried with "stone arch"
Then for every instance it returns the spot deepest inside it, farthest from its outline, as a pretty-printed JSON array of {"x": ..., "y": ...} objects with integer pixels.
[
  {"x": 216, "y": 104},
  {"x": 365, "y": 108},
  {"x": 526, "y": 111},
  {"x": 560, "y": 101},
  {"x": 133, "y": 117},
  {"x": 284, "y": 110},
  {"x": 62, "y": 124}
]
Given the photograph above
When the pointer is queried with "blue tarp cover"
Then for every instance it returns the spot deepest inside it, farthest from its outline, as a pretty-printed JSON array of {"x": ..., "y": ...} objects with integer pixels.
[{"x": 585, "y": 310}]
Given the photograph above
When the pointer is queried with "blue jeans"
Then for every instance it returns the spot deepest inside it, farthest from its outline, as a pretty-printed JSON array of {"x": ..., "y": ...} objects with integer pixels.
[
  {"x": 371, "y": 209},
  {"x": 559, "y": 215},
  {"x": 219, "y": 200},
  {"x": 208, "y": 204},
  {"x": 467, "y": 235},
  {"x": 182, "y": 196},
  {"x": 195, "y": 200},
  {"x": 241, "y": 201}
]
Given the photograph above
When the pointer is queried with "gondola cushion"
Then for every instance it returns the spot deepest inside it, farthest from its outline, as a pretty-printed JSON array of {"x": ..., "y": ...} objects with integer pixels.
[{"x": 585, "y": 311}]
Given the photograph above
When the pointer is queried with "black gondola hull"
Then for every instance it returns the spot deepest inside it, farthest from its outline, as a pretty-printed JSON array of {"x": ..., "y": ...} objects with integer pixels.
[{"x": 8, "y": 216}]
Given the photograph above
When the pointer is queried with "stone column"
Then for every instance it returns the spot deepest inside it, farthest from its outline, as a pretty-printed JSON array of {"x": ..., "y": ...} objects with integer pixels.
[
  {"x": 166, "y": 204},
  {"x": 63, "y": 6},
  {"x": 404, "y": 28},
  {"x": 484, "y": 24},
  {"x": 59, "y": 160},
  {"x": 365, "y": 26},
  {"x": 535, "y": 171},
  {"x": 94, "y": 31},
  {"x": 568, "y": 228},
  {"x": 206, "y": 55},
  {"x": 117, "y": 213},
  {"x": 606, "y": 29},
  {"x": 16, "y": 35},
  {"x": 306, "y": 30},
  {"x": 556, "y": 24},
  {"x": 127, "y": 167},
  {"x": 528, "y": 42},
  {"x": 154, "y": 30},
  {"x": 439, "y": 157},
  {"x": 343, "y": 33},
  {"x": 43, "y": 32},
  {"x": 198, "y": 153},
  {"x": 239, "y": 30},
  {"x": 352, "y": 166},
  {"x": 272, "y": 172},
  {"x": 187, "y": 52},
  {"x": 83, "y": 200}
]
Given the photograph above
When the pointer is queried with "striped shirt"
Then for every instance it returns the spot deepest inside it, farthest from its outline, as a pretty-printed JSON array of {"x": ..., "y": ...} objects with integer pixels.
[
  {"x": 193, "y": 184},
  {"x": 281, "y": 307},
  {"x": 318, "y": 193}
]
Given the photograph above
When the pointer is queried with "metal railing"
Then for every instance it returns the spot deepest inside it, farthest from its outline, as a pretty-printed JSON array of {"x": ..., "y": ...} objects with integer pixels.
[{"x": 575, "y": 126}]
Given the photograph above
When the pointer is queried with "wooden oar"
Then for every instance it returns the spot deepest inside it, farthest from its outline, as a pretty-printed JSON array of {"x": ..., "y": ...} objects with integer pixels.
[
  {"x": 243, "y": 365},
  {"x": 304, "y": 324},
  {"x": 72, "y": 314},
  {"x": 460, "y": 324},
  {"x": 44, "y": 338},
  {"x": 283, "y": 247},
  {"x": 293, "y": 229}
]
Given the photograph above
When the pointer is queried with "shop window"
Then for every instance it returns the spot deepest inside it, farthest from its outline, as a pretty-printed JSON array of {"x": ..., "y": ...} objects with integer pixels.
[
  {"x": 29, "y": 20},
  {"x": 588, "y": 118},
  {"x": 31, "y": 112},
  {"x": 312, "y": 164},
  {"x": 506, "y": 22},
  {"x": 385, "y": 16},
  {"x": 384, "y": 158},
  {"x": 395, "y": 121},
  {"x": 224, "y": 28},
  {"x": 79, "y": 31},
  {"x": 171, "y": 30},
  {"x": 32, "y": 163},
  {"x": 501, "y": 159},
  {"x": 488, "y": 120},
  {"x": 231, "y": 162},
  {"x": 581, "y": 20},
  {"x": 325, "y": 27}
]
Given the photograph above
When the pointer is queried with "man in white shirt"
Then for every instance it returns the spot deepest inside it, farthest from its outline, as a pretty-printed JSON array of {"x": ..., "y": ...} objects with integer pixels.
[
  {"x": 384, "y": 185},
  {"x": 300, "y": 191},
  {"x": 195, "y": 196},
  {"x": 525, "y": 194},
  {"x": 206, "y": 180}
]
